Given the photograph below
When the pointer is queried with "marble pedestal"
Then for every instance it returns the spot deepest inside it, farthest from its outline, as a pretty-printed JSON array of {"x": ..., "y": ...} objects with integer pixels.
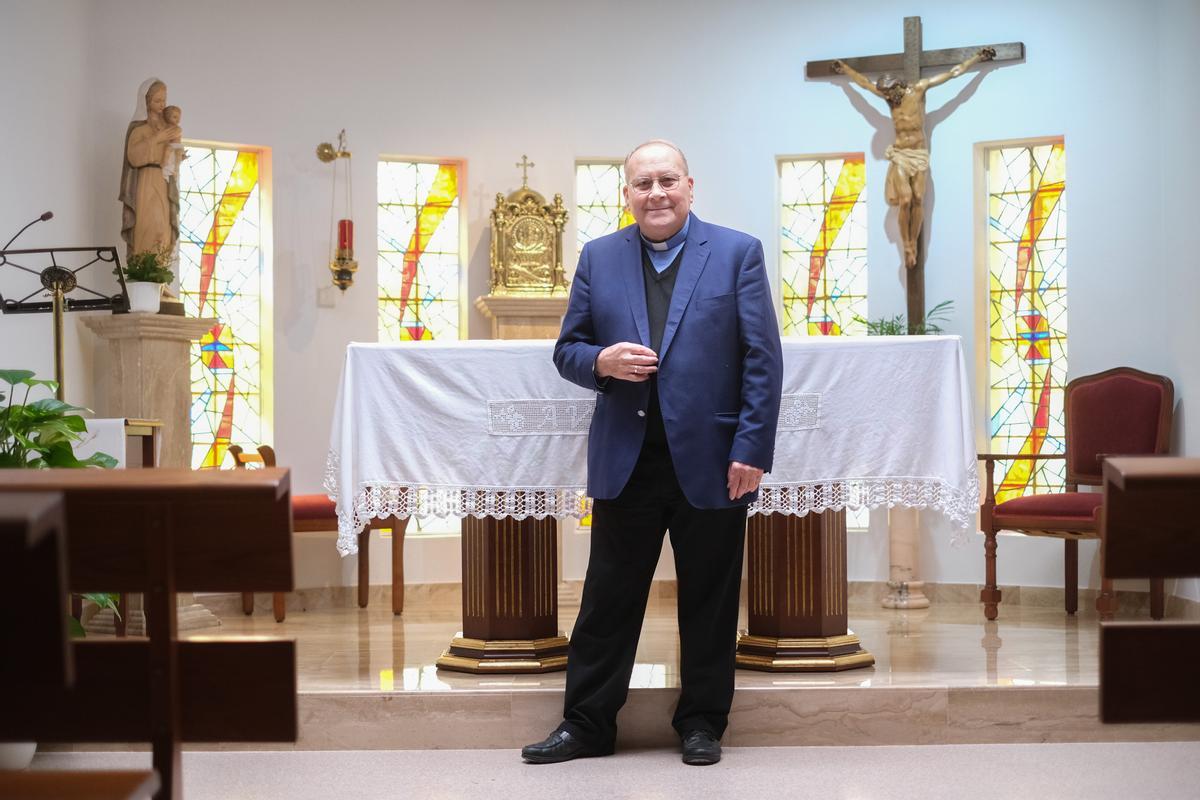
[
  {"x": 516, "y": 317},
  {"x": 904, "y": 590},
  {"x": 149, "y": 374},
  {"x": 149, "y": 377}
]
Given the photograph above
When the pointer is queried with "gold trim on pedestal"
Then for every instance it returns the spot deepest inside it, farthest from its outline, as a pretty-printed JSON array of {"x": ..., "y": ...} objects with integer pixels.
[
  {"x": 503, "y": 656},
  {"x": 816, "y": 654}
]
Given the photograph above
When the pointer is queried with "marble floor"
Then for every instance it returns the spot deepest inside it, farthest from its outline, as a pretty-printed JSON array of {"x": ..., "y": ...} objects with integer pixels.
[
  {"x": 370, "y": 650},
  {"x": 942, "y": 675}
]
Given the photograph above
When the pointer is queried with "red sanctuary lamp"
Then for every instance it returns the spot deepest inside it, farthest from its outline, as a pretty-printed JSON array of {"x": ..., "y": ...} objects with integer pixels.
[{"x": 343, "y": 266}]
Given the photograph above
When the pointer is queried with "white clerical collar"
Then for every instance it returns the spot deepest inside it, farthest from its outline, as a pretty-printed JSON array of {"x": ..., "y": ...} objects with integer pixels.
[{"x": 673, "y": 242}]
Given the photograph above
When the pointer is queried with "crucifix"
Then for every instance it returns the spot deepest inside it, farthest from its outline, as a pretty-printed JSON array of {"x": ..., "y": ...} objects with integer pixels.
[
  {"x": 525, "y": 164},
  {"x": 903, "y": 89}
]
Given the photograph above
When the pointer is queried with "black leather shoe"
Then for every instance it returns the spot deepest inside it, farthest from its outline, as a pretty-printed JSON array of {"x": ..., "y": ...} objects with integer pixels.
[
  {"x": 701, "y": 748},
  {"x": 558, "y": 746}
]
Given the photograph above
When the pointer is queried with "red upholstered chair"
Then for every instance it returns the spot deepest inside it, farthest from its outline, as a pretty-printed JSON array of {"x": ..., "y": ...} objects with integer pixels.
[
  {"x": 316, "y": 512},
  {"x": 1122, "y": 411}
]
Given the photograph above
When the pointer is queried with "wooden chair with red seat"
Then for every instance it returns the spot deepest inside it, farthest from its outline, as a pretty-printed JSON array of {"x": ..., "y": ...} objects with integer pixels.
[
  {"x": 1122, "y": 411},
  {"x": 316, "y": 512}
]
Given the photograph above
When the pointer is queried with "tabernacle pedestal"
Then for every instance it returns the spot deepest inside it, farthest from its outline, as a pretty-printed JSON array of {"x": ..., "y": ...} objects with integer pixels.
[
  {"x": 510, "y": 598},
  {"x": 796, "y": 596},
  {"x": 523, "y": 317}
]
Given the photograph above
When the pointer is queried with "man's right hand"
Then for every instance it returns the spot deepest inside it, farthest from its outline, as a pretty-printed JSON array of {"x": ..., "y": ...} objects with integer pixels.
[
  {"x": 838, "y": 66},
  {"x": 627, "y": 361}
]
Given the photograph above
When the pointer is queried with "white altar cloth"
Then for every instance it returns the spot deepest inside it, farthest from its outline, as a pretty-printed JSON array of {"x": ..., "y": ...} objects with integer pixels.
[{"x": 489, "y": 428}]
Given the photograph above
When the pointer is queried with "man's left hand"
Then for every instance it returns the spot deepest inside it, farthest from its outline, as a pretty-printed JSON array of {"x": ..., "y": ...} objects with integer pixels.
[{"x": 743, "y": 479}]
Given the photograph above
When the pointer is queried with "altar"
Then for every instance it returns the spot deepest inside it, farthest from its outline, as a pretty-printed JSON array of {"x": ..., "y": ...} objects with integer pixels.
[{"x": 488, "y": 431}]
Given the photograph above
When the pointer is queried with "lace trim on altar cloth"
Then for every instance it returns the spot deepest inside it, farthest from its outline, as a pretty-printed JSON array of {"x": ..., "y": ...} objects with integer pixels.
[
  {"x": 959, "y": 505},
  {"x": 380, "y": 500}
]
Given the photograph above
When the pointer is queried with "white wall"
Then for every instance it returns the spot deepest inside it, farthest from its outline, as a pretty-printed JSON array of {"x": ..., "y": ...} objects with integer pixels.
[
  {"x": 1179, "y": 165},
  {"x": 726, "y": 81},
  {"x": 43, "y": 91}
]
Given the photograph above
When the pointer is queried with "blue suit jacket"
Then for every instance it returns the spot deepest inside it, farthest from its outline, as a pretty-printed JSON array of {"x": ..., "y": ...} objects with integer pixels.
[{"x": 720, "y": 369}]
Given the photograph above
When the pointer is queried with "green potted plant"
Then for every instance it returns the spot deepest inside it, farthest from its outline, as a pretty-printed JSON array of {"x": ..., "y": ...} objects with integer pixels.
[
  {"x": 145, "y": 275},
  {"x": 896, "y": 326},
  {"x": 34, "y": 436},
  {"x": 40, "y": 434}
]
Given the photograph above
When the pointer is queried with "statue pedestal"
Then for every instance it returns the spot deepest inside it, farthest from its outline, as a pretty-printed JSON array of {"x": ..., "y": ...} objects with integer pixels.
[
  {"x": 518, "y": 317},
  {"x": 150, "y": 374},
  {"x": 149, "y": 377}
]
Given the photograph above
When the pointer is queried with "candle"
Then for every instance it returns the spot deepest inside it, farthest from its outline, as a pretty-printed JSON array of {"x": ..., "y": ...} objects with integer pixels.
[{"x": 345, "y": 234}]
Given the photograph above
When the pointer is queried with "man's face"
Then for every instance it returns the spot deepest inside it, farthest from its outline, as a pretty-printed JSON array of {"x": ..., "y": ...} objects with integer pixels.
[{"x": 660, "y": 213}]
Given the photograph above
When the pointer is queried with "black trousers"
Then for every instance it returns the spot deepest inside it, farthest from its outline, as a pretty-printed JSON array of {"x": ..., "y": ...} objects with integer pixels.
[{"x": 627, "y": 535}]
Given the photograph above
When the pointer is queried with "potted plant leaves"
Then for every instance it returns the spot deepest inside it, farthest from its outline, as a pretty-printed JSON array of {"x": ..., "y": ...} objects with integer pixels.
[
  {"x": 39, "y": 435},
  {"x": 145, "y": 275}
]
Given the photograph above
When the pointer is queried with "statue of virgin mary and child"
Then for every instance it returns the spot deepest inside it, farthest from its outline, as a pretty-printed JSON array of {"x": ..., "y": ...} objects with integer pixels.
[{"x": 149, "y": 187}]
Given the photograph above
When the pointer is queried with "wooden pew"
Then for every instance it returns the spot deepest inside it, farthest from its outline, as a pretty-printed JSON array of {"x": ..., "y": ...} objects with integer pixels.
[
  {"x": 1150, "y": 527},
  {"x": 33, "y": 638},
  {"x": 160, "y": 532}
]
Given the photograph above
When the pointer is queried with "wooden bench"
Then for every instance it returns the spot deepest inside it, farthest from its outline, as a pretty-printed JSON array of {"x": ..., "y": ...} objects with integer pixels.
[
  {"x": 1150, "y": 526},
  {"x": 33, "y": 567},
  {"x": 160, "y": 532}
]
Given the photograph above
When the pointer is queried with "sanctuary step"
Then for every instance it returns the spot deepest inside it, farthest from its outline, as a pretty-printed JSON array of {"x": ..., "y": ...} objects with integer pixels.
[{"x": 942, "y": 675}]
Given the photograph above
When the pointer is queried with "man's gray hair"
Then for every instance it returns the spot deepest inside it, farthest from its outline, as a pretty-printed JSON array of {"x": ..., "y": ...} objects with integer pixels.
[{"x": 649, "y": 142}]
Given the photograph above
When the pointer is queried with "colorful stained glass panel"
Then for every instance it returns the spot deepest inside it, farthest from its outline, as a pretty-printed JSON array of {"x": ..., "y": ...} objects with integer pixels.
[
  {"x": 823, "y": 245},
  {"x": 599, "y": 204},
  {"x": 221, "y": 274},
  {"x": 1027, "y": 274},
  {"x": 420, "y": 253}
]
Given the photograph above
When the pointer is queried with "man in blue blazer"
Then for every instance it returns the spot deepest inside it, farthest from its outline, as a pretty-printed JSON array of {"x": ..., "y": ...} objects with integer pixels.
[{"x": 672, "y": 323}]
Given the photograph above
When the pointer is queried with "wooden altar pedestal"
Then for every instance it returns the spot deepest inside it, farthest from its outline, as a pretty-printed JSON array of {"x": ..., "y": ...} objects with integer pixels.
[
  {"x": 510, "y": 598},
  {"x": 796, "y": 596}
]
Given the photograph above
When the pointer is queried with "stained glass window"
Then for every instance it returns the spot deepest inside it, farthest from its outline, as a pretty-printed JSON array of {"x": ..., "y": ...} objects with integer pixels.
[
  {"x": 599, "y": 210},
  {"x": 599, "y": 204},
  {"x": 1027, "y": 274},
  {"x": 420, "y": 251},
  {"x": 823, "y": 245},
  {"x": 223, "y": 274}
]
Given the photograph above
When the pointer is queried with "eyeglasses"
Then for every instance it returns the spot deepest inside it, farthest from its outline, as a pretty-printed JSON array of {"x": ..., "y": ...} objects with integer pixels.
[{"x": 643, "y": 185}]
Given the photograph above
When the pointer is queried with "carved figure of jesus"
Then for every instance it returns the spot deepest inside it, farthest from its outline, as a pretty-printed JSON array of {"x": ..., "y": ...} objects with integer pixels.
[
  {"x": 904, "y": 186},
  {"x": 173, "y": 153}
]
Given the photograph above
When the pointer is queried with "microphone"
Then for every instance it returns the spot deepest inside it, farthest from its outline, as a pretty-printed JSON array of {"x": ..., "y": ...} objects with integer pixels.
[{"x": 46, "y": 216}]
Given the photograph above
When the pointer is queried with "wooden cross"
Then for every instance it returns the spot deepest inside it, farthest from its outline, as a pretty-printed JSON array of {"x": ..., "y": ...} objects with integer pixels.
[
  {"x": 525, "y": 164},
  {"x": 907, "y": 66}
]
